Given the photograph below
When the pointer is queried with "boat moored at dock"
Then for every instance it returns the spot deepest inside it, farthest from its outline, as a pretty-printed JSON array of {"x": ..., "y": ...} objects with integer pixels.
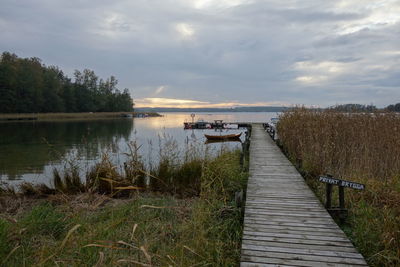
[{"x": 233, "y": 137}]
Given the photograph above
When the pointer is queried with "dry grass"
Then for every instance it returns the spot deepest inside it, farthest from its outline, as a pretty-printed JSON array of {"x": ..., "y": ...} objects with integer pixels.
[
  {"x": 358, "y": 147},
  {"x": 177, "y": 173},
  {"x": 145, "y": 230},
  {"x": 180, "y": 212}
]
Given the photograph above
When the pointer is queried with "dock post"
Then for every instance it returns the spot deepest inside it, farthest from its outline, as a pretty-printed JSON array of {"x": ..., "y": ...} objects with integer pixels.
[
  {"x": 341, "y": 198},
  {"x": 328, "y": 203},
  {"x": 343, "y": 211}
]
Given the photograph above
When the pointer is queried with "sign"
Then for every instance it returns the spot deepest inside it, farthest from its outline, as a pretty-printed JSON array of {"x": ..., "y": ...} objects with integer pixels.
[{"x": 343, "y": 183}]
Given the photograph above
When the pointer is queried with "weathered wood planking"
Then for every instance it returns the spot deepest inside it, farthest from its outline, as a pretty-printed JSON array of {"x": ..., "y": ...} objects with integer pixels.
[{"x": 284, "y": 223}]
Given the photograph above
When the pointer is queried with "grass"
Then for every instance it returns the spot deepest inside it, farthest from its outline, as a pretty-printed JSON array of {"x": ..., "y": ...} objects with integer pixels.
[
  {"x": 147, "y": 229},
  {"x": 176, "y": 174},
  {"x": 44, "y": 219},
  {"x": 364, "y": 148},
  {"x": 4, "y": 232}
]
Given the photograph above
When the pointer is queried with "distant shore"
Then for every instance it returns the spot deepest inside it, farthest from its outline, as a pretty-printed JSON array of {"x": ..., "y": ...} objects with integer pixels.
[{"x": 72, "y": 116}]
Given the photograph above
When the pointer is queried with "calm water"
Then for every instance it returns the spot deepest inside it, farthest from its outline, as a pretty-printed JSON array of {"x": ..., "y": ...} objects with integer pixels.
[{"x": 30, "y": 150}]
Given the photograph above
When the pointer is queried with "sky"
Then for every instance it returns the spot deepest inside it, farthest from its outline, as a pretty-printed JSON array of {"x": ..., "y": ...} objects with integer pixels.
[{"x": 218, "y": 53}]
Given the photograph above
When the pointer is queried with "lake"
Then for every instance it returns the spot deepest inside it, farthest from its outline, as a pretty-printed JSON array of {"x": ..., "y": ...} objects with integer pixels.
[{"x": 29, "y": 151}]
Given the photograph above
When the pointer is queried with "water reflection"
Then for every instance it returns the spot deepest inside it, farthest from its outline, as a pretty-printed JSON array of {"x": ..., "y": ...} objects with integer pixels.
[
  {"x": 29, "y": 147},
  {"x": 30, "y": 150}
]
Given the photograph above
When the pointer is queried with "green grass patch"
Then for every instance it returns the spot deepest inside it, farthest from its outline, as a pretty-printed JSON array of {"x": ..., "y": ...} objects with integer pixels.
[
  {"x": 149, "y": 228},
  {"x": 4, "y": 233},
  {"x": 44, "y": 219}
]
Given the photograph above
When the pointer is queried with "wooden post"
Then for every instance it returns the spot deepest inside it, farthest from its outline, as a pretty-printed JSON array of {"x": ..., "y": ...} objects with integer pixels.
[
  {"x": 242, "y": 154},
  {"x": 328, "y": 203},
  {"x": 342, "y": 210},
  {"x": 341, "y": 198}
]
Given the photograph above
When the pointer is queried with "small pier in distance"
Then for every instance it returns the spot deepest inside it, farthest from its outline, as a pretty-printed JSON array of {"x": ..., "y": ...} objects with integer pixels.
[
  {"x": 284, "y": 223},
  {"x": 217, "y": 124}
]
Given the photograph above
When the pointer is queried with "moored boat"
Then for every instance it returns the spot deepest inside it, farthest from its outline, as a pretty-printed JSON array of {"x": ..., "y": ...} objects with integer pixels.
[{"x": 223, "y": 137}]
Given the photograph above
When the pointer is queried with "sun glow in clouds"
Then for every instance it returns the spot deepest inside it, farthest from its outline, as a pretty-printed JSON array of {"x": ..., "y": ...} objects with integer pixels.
[
  {"x": 159, "y": 90},
  {"x": 185, "y": 30},
  {"x": 323, "y": 66},
  {"x": 311, "y": 79},
  {"x": 202, "y": 4},
  {"x": 113, "y": 25},
  {"x": 381, "y": 14},
  {"x": 317, "y": 72},
  {"x": 167, "y": 102},
  {"x": 158, "y": 102}
]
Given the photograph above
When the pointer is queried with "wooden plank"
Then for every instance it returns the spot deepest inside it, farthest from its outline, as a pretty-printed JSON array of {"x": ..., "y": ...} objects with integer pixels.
[
  {"x": 302, "y": 251},
  {"x": 280, "y": 207},
  {"x": 290, "y": 223},
  {"x": 297, "y": 236},
  {"x": 298, "y": 241},
  {"x": 292, "y": 256},
  {"x": 284, "y": 223},
  {"x": 272, "y": 199},
  {"x": 308, "y": 231},
  {"x": 299, "y": 227},
  {"x": 261, "y": 261},
  {"x": 298, "y": 246},
  {"x": 307, "y": 214},
  {"x": 305, "y": 221},
  {"x": 278, "y": 202}
]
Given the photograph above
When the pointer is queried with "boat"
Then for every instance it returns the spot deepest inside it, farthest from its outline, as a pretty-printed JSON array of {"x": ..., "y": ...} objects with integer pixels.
[
  {"x": 223, "y": 137},
  {"x": 222, "y": 141}
]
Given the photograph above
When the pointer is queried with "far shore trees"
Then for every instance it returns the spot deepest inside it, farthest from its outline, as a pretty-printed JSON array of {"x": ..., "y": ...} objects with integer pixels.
[
  {"x": 28, "y": 86},
  {"x": 395, "y": 107}
]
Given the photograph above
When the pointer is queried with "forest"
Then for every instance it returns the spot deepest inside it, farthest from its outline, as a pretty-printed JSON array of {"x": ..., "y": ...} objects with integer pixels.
[
  {"x": 394, "y": 107},
  {"x": 29, "y": 86}
]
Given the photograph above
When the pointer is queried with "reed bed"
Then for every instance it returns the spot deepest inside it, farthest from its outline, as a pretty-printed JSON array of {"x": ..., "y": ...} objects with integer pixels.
[
  {"x": 361, "y": 147},
  {"x": 94, "y": 223}
]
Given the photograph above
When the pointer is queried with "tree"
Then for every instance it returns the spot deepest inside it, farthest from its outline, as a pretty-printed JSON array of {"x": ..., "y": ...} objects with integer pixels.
[
  {"x": 393, "y": 108},
  {"x": 27, "y": 85}
]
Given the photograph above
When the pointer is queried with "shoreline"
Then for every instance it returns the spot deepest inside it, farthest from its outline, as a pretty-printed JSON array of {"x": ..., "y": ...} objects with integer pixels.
[
  {"x": 92, "y": 222},
  {"x": 12, "y": 117}
]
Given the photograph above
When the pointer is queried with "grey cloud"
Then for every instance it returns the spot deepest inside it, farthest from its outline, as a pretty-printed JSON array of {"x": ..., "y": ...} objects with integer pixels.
[
  {"x": 245, "y": 53},
  {"x": 391, "y": 80}
]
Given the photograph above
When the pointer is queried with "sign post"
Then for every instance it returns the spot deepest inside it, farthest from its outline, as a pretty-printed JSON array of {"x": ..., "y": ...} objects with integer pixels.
[{"x": 341, "y": 211}]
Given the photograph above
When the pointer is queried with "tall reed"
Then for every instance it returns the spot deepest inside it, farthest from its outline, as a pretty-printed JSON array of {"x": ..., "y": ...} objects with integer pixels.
[
  {"x": 177, "y": 172},
  {"x": 361, "y": 147},
  {"x": 145, "y": 230}
]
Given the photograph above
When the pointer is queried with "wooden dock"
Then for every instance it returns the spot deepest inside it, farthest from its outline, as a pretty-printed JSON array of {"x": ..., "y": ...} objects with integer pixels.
[{"x": 284, "y": 223}]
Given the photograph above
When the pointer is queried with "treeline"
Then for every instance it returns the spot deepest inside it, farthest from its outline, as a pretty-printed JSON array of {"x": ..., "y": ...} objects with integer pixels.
[
  {"x": 354, "y": 108},
  {"x": 28, "y": 86},
  {"x": 364, "y": 108},
  {"x": 395, "y": 107}
]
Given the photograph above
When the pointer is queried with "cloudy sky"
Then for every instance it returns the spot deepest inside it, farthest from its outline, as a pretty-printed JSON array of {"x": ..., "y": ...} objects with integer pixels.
[{"x": 218, "y": 52}]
